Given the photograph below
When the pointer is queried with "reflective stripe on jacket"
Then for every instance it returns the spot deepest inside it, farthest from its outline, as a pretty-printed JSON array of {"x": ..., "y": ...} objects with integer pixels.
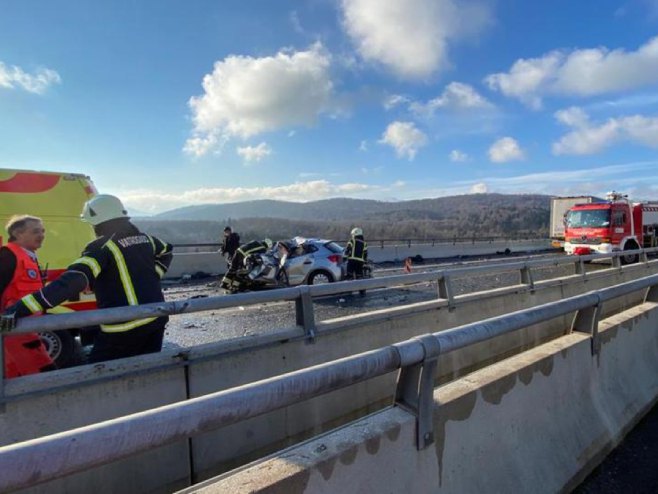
[
  {"x": 123, "y": 268},
  {"x": 254, "y": 247},
  {"x": 357, "y": 249}
]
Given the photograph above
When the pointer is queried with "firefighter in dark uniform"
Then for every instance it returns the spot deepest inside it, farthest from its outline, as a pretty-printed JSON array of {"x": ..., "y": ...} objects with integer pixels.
[
  {"x": 241, "y": 254},
  {"x": 230, "y": 244},
  {"x": 356, "y": 253},
  {"x": 123, "y": 266}
]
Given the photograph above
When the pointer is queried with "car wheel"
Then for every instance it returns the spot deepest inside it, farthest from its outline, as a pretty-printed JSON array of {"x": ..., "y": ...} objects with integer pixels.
[
  {"x": 320, "y": 278},
  {"x": 630, "y": 258},
  {"x": 61, "y": 347}
]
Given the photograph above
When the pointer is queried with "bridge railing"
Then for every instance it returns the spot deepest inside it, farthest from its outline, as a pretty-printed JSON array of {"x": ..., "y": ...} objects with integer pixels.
[
  {"x": 39, "y": 460},
  {"x": 384, "y": 242},
  {"x": 303, "y": 295}
]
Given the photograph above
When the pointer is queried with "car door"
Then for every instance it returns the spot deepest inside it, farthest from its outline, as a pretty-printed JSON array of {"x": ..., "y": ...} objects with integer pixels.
[{"x": 300, "y": 265}]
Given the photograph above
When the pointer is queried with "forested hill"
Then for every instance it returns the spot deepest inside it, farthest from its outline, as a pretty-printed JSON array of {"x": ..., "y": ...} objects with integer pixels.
[{"x": 443, "y": 217}]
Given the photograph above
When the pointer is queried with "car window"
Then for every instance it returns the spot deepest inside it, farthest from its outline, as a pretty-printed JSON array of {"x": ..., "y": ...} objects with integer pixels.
[
  {"x": 334, "y": 247},
  {"x": 309, "y": 248}
]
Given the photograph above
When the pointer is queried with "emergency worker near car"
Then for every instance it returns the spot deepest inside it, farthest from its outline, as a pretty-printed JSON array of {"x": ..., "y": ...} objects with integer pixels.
[
  {"x": 230, "y": 244},
  {"x": 20, "y": 275},
  {"x": 356, "y": 253},
  {"x": 123, "y": 267},
  {"x": 241, "y": 254}
]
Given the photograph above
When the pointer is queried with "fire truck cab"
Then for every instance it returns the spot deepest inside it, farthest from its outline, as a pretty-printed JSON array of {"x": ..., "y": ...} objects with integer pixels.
[
  {"x": 613, "y": 225},
  {"x": 56, "y": 198}
]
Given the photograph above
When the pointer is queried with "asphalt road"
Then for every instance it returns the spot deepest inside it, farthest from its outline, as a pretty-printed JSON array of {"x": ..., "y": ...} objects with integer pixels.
[
  {"x": 187, "y": 330},
  {"x": 632, "y": 466}
]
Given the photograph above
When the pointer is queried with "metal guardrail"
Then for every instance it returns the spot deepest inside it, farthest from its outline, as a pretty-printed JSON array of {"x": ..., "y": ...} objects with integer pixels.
[
  {"x": 406, "y": 241},
  {"x": 303, "y": 296},
  {"x": 47, "y": 458},
  {"x": 303, "y": 293}
]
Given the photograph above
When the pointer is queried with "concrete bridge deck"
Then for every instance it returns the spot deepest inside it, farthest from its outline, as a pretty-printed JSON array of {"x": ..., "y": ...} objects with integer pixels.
[{"x": 36, "y": 406}]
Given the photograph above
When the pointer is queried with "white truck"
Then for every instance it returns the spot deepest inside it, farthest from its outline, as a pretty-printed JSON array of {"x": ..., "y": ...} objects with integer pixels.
[{"x": 559, "y": 208}]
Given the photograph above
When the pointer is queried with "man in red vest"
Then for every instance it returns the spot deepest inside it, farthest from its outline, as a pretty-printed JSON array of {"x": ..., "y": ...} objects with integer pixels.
[{"x": 19, "y": 276}]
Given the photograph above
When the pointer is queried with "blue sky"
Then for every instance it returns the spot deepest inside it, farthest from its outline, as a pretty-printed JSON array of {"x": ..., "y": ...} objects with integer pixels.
[{"x": 169, "y": 103}]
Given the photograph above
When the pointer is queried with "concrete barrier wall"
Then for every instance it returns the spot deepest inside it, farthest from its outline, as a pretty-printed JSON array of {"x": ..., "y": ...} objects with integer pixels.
[
  {"x": 216, "y": 452},
  {"x": 160, "y": 470},
  {"x": 66, "y": 399},
  {"x": 189, "y": 263},
  {"x": 537, "y": 422}
]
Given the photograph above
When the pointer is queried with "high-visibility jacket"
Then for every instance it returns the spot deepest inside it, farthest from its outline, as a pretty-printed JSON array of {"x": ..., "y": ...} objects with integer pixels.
[
  {"x": 26, "y": 279},
  {"x": 357, "y": 249},
  {"x": 253, "y": 247},
  {"x": 123, "y": 268},
  {"x": 24, "y": 353}
]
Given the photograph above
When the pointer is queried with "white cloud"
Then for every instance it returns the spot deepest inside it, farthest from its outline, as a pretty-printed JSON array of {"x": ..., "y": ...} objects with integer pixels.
[
  {"x": 479, "y": 188},
  {"x": 584, "y": 72},
  {"x": 504, "y": 150},
  {"x": 457, "y": 156},
  {"x": 15, "y": 77},
  {"x": 410, "y": 37},
  {"x": 405, "y": 138},
  {"x": 363, "y": 146},
  {"x": 254, "y": 153},
  {"x": 153, "y": 201},
  {"x": 456, "y": 96},
  {"x": 393, "y": 100},
  {"x": 245, "y": 96},
  {"x": 590, "y": 138}
]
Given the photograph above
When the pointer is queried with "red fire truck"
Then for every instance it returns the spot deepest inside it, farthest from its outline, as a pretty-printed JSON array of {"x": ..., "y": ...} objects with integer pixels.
[{"x": 613, "y": 225}]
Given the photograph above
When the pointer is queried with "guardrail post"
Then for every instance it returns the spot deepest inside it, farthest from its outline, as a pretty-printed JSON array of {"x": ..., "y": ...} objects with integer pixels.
[
  {"x": 644, "y": 257},
  {"x": 526, "y": 277},
  {"x": 652, "y": 294},
  {"x": 580, "y": 266},
  {"x": 587, "y": 321},
  {"x": 616, "y": 261},
  {"x": 304, "y": 315},
  {"x": 445, "y": 290},
  {"x": 415, "y": 390}
]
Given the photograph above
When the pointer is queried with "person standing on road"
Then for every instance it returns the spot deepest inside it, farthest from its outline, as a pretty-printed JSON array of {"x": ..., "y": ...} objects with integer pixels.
[
  {"x": 356, "y": 253},
  {"x": 20, "y": 275},
  {"x": 230, "y": 244},
  {"x": 123, "y": 266},
  {"x": 241, "y": 254}
]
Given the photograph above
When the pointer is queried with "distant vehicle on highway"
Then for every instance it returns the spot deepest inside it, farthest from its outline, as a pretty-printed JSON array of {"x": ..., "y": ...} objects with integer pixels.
[
  {"x": 559, "y": 208},
  {"x": 303, "y": 261},
  {"x": 314, "y": 261}
]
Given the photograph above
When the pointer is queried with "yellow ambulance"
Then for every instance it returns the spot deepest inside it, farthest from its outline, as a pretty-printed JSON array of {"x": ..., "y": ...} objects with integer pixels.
[{"x": 57, "y": 198}]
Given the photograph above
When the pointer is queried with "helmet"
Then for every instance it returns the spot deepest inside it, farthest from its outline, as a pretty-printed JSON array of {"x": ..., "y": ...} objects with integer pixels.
[
  {"x": 356, "y": 231},
  {"x": 268, "y": 242},
  {"x": 102, "y": 208}
]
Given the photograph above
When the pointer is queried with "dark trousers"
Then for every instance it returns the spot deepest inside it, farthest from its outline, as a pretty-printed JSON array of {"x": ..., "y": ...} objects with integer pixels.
[
  {"x": 237, "y": 262},
  {"x": 354, "y": 269},
  {"x": 138, "y": 341}
]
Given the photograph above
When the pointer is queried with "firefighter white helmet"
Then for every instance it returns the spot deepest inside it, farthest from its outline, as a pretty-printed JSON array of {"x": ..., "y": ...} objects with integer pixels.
[
  {"x": 268, "y": 242},
  {"x": 356, "y": 231},
  {"x": 102, "y": 208}
]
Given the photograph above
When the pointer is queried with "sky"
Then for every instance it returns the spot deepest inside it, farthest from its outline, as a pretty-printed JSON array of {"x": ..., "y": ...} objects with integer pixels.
[{"x": 169, "y": 103}]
